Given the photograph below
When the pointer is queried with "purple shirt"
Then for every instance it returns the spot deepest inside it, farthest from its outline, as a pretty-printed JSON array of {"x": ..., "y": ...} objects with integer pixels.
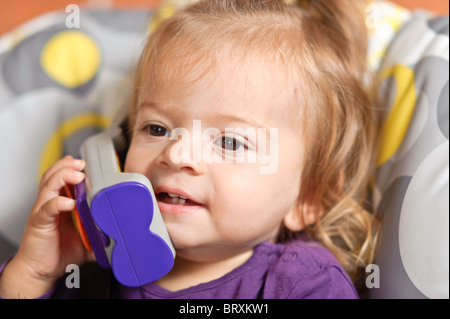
[{"x": 293, "y": 270}]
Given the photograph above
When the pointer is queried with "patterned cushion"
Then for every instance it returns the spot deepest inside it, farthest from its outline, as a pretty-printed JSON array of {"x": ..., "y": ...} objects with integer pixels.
[
  {"x": 58, "y": 86},
  {"x": 412, "y": 182}
]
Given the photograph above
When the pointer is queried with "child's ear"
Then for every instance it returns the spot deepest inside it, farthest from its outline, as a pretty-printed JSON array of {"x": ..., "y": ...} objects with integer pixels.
[{"x": 300, "y": 217}]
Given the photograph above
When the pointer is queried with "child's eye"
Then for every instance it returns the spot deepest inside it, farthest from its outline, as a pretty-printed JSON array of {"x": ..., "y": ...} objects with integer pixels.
[
  {"x": 157, "y": 130},
  {"x": 230, "y": 144}
]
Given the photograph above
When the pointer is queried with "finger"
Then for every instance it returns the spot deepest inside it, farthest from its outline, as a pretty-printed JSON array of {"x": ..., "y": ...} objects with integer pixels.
[
  {"x": 67, "y": 161},
  {"x": 56, "y": 182},
  {"x": 62, "y": 177},
  {"x": 48, "y": 213}
]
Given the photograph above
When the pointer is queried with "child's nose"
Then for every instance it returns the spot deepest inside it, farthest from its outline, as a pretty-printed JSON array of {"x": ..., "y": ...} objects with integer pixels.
[{"x": 182, "y": 154}]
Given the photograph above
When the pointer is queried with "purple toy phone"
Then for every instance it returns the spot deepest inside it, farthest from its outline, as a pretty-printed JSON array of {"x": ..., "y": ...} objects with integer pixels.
[{"x": 121, "y": 217}]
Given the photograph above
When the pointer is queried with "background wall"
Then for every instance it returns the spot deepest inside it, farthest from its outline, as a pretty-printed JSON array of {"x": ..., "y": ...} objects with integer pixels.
[
  {"x": 440, "y": 6},
  {"x": 13, "y": 13}
]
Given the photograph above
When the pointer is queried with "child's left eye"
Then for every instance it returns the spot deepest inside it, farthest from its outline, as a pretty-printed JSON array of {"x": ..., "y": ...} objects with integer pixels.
[{"x": 230, "y": 144}]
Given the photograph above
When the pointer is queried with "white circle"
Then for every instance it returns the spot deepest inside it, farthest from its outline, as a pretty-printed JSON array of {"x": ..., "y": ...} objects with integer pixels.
[{"x": 424, "y": 225}]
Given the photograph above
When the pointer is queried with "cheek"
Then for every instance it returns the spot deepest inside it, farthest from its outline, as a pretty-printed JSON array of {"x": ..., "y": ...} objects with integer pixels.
[
  {"x": 236, "y": 198},
  {"x": 138, "y": 159},
  {"x": 131, "y": 160},
  {"x": 250, "y": 206}
]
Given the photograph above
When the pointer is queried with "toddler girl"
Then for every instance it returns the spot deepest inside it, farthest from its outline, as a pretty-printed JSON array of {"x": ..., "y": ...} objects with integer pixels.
[{"x": 263, "y": 76}]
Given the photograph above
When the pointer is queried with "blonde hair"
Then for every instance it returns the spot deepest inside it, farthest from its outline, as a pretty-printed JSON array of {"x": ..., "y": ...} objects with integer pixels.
[{"x": 322, "y": 44}]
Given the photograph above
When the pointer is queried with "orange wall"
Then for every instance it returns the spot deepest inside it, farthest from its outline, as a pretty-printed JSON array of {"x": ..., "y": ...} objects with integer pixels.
[
  {"x": 15, "y": 12},
  {"x": 439, "y": 6}
]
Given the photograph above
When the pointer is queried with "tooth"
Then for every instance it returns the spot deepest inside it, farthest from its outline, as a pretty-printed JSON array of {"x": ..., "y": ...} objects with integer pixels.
[
  {"x": 172, "y": 195},
  {"x": 182, "y": 197},
  {"x": 175, "y": 200},
  {"x": 181, "y": 201}
]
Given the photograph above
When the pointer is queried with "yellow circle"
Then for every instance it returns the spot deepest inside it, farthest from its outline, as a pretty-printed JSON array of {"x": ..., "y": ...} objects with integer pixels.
[
  {"x": 53, "y": 150},
  {"x": 70, "y": 58}
]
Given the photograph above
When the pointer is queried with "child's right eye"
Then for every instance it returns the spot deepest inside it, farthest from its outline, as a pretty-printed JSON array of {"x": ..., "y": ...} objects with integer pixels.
[{"x": 157, "y": 130}]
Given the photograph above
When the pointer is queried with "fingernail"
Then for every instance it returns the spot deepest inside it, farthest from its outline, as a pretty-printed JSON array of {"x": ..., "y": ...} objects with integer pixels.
[
  {"x": 79, "y": 174},
  {"x": 80, "y": 163},
  {"x": 70, "y": 201}
]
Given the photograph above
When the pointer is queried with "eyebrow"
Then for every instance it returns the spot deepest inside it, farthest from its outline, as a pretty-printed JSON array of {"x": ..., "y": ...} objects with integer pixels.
[
  {"x": 148, "y": 104},
  {"x": 230, "y": 118},
  {"x": 222, "y": 118}
]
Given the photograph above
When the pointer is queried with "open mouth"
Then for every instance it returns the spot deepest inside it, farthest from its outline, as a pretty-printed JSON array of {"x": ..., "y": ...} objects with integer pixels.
[{"x": 175, "y": 199}]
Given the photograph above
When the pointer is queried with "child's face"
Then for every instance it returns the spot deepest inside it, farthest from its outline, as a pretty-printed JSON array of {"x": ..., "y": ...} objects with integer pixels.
[{"x": 236, "y": 205}]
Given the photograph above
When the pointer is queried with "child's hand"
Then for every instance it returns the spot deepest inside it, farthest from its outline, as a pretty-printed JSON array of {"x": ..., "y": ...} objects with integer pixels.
[{"x": 50, "y": 241}]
